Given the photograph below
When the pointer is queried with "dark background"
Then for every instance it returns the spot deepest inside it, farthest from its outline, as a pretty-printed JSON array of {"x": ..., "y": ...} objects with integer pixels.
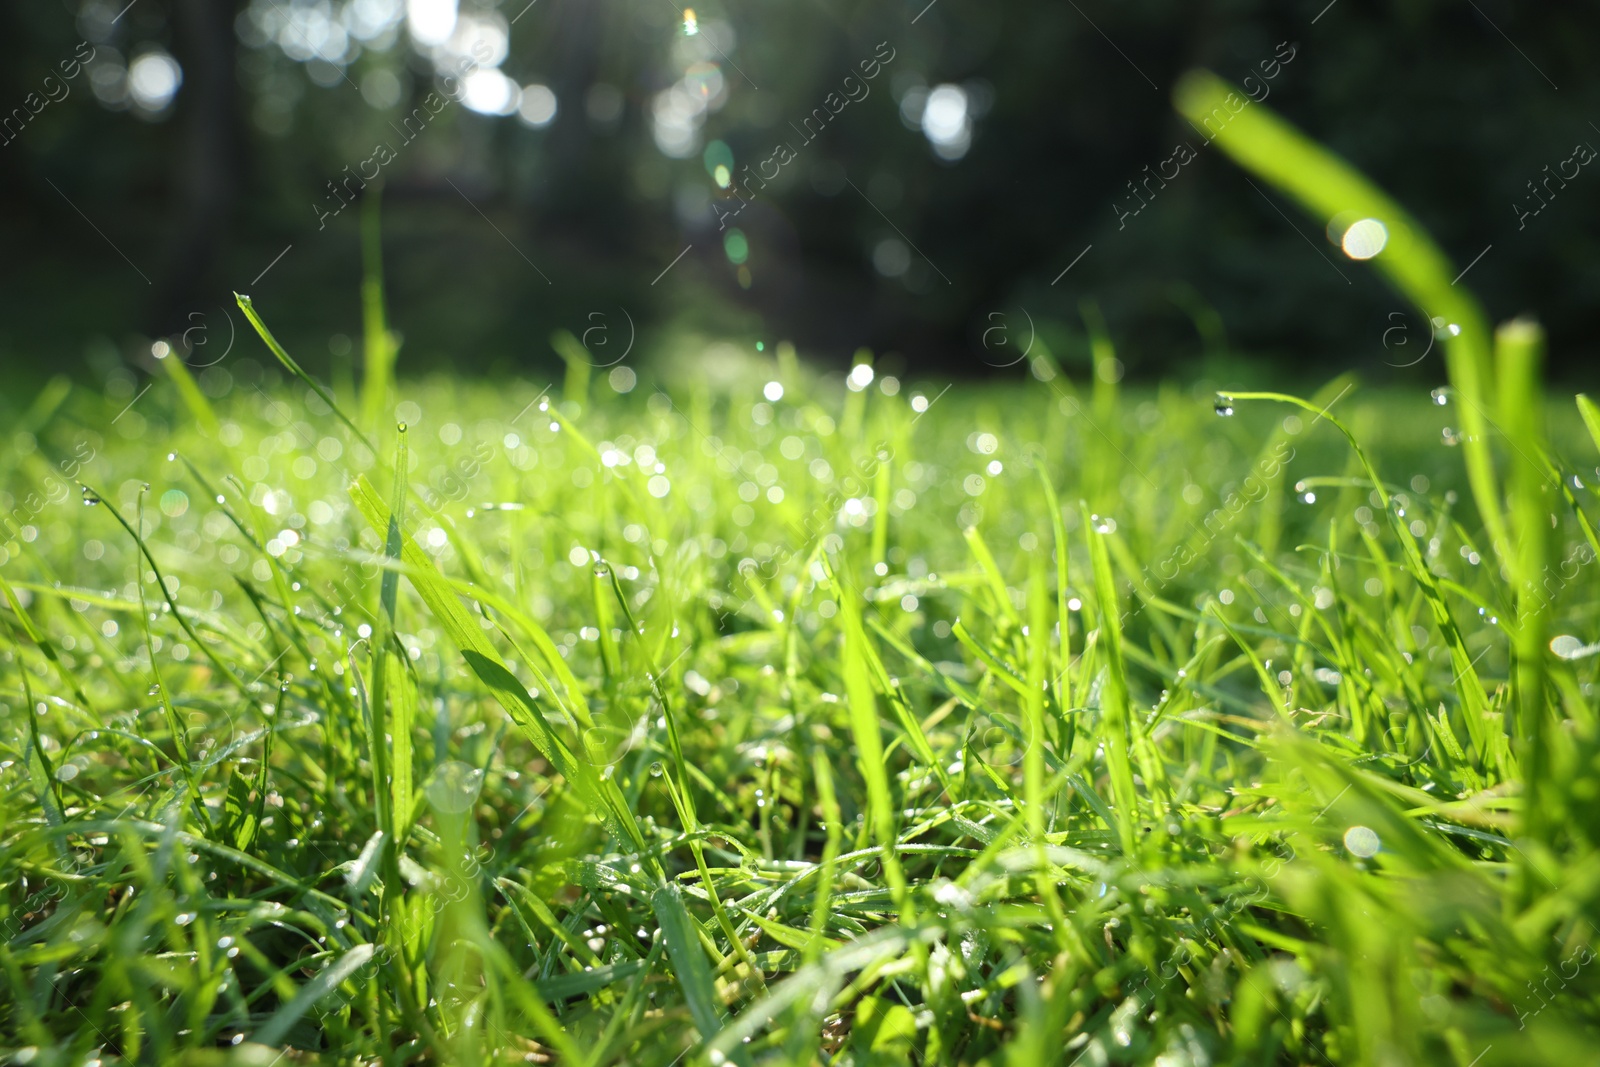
[{"x": 124, "y": 223}]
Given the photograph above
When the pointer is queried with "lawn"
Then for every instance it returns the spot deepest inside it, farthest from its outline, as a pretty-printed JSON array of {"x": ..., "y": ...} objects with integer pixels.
[
  {"x": 788, "y": 717},
  {"x": 746, "y": 713}
]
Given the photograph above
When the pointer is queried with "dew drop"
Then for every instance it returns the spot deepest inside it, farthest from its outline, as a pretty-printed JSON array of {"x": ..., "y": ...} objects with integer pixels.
[
  {"x": 1362, "y": 841},
  {"x": 1566, "y": 646},
  {"x": 1441, "y": 395},
  {"x": 400, "y": 427},
  {"x": 89, "y": 499},
  {"x": 1223, "y": 405},
  {"x": 602, "y": 570},
  {"x": 656, "y": 769},
  {"x": 171, "y": 456}
]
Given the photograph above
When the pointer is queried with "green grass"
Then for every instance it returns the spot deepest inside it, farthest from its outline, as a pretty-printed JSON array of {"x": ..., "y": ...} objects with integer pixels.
[
  {"x": 888, "y": 778},
  {"x": 1044, "y": 724}
]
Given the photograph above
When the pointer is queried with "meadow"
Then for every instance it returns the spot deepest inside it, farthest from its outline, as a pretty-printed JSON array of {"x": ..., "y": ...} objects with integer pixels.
[{"x": 744, "y": 713}]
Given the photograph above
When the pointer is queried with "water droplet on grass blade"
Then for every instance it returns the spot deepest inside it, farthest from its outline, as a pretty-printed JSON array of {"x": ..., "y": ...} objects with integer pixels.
[
  {"x": 1362, "y": 842},
  {"x": 1223, "y": 405},
  {"x": 1568, "y": 647},
  {"x": 89, "y": 499},
  {"x": 400, "y": 427}
]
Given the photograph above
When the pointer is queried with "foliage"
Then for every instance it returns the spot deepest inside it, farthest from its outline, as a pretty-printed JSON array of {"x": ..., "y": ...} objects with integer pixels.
[{"x": 282, "y": 104}]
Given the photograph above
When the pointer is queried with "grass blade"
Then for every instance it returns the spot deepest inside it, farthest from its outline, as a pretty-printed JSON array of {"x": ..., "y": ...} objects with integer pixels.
[{"x": 1332, "y": 190}]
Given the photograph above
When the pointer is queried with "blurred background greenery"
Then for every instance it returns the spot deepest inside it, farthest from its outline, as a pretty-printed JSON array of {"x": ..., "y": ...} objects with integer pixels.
[{"x": 157, "y": 156}]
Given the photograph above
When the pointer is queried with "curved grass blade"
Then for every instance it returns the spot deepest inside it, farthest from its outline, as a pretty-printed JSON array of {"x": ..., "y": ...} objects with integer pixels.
[
  {"x": 294, "y": 368},
  {"x": 1474, "y": 704},
  {"x": 276, "y": 1028},
  {"x": 1332, "y": 190}
]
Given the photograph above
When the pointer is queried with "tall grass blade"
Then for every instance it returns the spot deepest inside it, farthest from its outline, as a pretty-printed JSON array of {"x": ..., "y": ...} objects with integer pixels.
[
  {"x": 1115, "y": 708},
  {"x": 294, "y": 368},
  {"x": 1334, "y": 192},
  {"x": 379, "y": 346}
]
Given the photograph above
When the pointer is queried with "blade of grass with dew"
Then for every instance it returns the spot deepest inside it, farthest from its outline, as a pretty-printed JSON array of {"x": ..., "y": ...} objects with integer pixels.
[
  {"x": 600, "y": 795},
  {"x": 166, "y": 595},
  {"x": 1115, "y": 707},
  {"x": 40, "y": 773},
  {"x": 44, "y": 645},
  {"x": 381, "y": 724},
  {"x": 1033, "y": 766},
  {"x": 1332, "y": 190},
  {"x": 866, "y": 732},
  {"x": 276, "y": 1028},
  {"x": 1474, "y": 703},
  {"x": 1061, "y": 683},
  {"x": 294, "y": 368},
  {"x": 180, "y": 739},
  {"x": 481, "y": 658},
  {"x": 1519, "y": 351},
  {"x": 691, "y": 817}
]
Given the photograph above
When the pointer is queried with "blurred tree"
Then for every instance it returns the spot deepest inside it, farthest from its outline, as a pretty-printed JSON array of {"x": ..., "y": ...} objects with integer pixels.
[{"x": 560, "y": 175}]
